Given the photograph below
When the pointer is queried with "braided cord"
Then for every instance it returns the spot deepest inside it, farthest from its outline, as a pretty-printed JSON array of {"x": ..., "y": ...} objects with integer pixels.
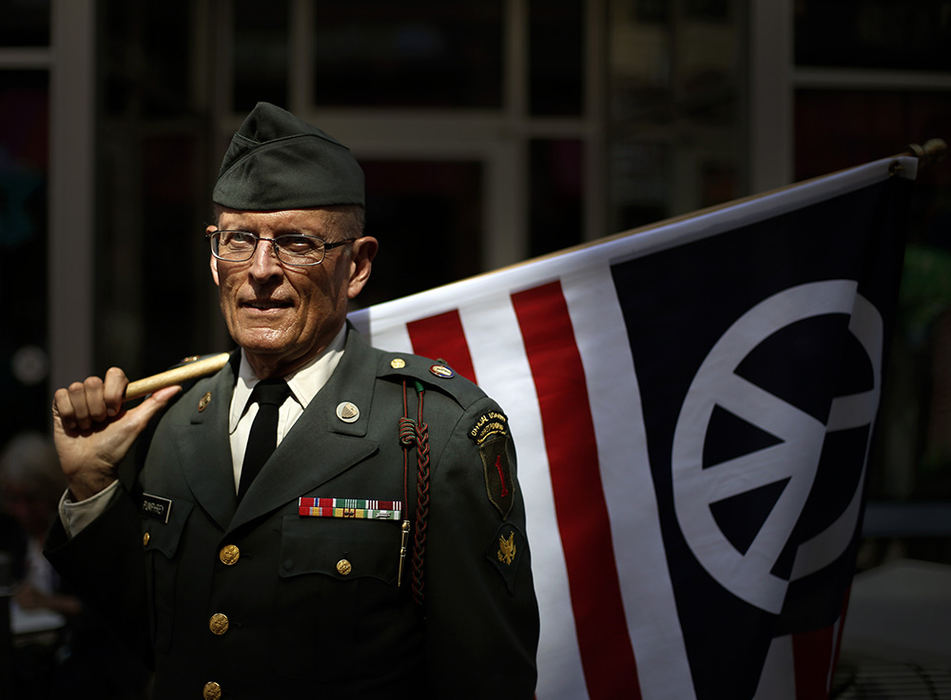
[{"x": 422, "y": 501}]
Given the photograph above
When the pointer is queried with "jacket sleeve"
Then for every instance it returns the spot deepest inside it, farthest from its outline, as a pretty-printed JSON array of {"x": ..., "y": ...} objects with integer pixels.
[
  {"x": 104, "y": 564},
  {"x": 481, "y": 612}
]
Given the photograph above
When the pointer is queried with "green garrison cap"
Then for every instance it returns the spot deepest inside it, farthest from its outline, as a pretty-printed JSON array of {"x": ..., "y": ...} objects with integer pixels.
[{"x": 276, "y": 161}]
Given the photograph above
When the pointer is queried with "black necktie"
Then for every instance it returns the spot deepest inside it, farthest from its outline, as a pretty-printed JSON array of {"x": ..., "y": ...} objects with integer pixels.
[{"x": 269, "y": 394}]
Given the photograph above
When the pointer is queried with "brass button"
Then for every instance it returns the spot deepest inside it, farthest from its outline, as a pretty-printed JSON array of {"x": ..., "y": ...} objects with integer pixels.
[
  {"x": 145, "y": 539},
  {"x": 218, "y": 624},
  {"x": 343, "y": 567},
  {"x": 211, "y": 691},
  {"x": 229, "y": 555}
]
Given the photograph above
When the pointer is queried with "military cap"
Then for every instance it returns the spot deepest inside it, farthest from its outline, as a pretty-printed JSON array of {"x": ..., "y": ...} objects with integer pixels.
[{"x": 277, "y": 161}]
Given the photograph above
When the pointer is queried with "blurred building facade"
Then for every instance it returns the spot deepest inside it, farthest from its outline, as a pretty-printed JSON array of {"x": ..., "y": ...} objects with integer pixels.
[{"x": 490, "y": 132}]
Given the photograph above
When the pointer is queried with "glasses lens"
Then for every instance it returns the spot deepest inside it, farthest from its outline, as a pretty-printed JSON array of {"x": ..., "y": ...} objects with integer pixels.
[
  {"x": 233, "y": 245},
  {"x": 299, "y": 249}
]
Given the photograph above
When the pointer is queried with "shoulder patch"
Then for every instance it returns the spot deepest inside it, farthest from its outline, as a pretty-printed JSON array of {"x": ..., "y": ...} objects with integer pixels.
[
  {"x": 489, "y": 424},
  {"x": 490, "y": 433},
  {"x": 505, "y": 553},
  {"x": 499, "y": 485}
]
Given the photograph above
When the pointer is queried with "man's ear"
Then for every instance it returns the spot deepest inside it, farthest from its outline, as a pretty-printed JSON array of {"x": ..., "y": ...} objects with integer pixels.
[
  {"x": 213, "y": 261},
  {"x": 361, "y": 263}
]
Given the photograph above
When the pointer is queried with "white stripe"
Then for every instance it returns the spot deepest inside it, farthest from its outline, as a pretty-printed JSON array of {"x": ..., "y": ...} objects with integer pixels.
[
  {"x": 387, "y": 331},
  {"x": 834, "y": 650},
  {"x": 778, "y": 678},
  {"x": 651, "y": 613},
  {"x": 501, "y": 367}
]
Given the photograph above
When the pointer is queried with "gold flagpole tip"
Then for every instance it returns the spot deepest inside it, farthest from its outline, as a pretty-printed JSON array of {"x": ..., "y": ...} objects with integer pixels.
[{"x": 933, "y": 151}]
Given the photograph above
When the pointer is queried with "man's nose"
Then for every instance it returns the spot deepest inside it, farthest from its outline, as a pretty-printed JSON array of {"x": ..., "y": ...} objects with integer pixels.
[{"x": 264, "y": 262}]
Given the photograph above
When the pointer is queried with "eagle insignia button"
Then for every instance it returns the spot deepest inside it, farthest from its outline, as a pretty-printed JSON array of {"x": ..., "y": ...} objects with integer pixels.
[{"x": 504, "y": 553}]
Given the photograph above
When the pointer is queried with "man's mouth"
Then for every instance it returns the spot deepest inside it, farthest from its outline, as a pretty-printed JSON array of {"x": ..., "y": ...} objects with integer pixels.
[{"x": 266, "y": 304}]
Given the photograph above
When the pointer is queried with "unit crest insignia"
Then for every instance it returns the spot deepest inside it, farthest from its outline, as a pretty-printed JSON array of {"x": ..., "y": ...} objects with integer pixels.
[
  {"x": 507, "y": 549},
  {"x": 505, "y": 553}
]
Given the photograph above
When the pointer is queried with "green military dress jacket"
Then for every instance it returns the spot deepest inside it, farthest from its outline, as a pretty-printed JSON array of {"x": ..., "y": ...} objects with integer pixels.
[{"x": 252, "y": 599}]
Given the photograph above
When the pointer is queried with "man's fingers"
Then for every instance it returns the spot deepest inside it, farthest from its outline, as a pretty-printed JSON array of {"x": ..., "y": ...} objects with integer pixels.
[
  {"x": 95, "y": 403},
  {"x": 79, "y": 407},
  {"x": 114, "y": 390},
  {"x": 82, "y": 405},
  {"x": 63, "y": 410}
]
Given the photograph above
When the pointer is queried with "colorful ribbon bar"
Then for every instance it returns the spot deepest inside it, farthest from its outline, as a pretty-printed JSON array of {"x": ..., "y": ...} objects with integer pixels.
[{"x": 357, "y": 508}]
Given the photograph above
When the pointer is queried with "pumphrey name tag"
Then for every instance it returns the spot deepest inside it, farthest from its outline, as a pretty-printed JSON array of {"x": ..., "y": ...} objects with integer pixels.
[
  {"x": 156, "y": 507},
  {"x": 354, "y": 508}
]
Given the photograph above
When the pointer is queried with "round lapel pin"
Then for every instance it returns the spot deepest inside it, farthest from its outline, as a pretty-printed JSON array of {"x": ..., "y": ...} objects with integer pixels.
[
  {"x": 347, "y": 412},
  {"x": 442, "y": 371}
]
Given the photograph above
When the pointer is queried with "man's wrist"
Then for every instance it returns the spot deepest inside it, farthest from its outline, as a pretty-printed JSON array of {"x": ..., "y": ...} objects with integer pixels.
[
  {"x": 77, "y": 514},
  {"x": 83, "y": 489}
]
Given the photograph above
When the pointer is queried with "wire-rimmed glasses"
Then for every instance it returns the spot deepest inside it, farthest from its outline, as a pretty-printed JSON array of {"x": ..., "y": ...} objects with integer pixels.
[{"x": 290, "y": 248}]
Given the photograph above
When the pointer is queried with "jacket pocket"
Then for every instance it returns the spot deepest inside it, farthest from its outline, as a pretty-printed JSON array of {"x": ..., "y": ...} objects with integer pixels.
[
  {"x": 343, "y": 549},
  {"x": 161, "y": 538}
]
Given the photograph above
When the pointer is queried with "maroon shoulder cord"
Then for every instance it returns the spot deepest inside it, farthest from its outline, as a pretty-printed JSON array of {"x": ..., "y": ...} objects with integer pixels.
[{"x": 416, "y": 433}]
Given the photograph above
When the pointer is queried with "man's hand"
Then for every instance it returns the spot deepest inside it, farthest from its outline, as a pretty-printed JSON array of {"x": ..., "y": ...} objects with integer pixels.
[{"x": 92, "y": 432}]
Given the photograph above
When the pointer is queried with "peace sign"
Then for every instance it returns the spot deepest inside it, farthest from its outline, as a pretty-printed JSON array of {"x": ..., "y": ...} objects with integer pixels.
[{"x": 789, "y": 465}]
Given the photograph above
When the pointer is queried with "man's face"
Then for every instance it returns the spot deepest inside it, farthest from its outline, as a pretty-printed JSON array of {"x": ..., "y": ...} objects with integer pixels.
[{"x": 283, "y": 315}]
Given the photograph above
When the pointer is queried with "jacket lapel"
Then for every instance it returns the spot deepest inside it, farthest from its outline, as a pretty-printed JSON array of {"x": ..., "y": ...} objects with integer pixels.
[
  {"x": 206, "y": 449},
  {"x": 319, "y": 446}
]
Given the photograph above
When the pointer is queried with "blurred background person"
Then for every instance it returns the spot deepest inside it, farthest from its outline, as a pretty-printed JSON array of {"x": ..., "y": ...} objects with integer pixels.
[{"x": 55, "y": 643}]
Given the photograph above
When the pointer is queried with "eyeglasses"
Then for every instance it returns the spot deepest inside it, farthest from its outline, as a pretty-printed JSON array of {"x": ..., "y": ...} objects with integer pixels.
[{"x": 291, "y": 248}]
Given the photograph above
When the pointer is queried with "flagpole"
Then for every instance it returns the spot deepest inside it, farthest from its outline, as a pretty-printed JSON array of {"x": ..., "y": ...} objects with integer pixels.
[{"x": 926, "y": 155}]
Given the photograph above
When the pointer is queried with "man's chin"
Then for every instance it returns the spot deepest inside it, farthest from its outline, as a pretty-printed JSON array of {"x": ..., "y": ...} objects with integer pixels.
[{"x": 262, "y": 342}]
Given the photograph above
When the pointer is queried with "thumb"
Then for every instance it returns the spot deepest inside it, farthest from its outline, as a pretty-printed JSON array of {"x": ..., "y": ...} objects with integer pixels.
[{"x": 143, "y": 413}]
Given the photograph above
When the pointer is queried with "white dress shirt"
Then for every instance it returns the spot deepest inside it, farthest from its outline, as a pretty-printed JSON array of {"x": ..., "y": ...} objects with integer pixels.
[{"x": 304, "y": 385}]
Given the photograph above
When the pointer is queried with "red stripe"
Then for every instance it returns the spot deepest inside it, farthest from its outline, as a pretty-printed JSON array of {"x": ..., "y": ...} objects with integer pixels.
[
  {"x": 442, "y": 337},
  {"x": 841, "y": 622},
  {"x": 815, "y": 656},
  {"x": 812, "y": 658},
  {"x": 606, "y": 652}
]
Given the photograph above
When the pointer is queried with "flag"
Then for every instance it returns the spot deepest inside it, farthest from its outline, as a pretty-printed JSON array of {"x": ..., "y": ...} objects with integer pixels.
[{"x": 692, "y": 406}]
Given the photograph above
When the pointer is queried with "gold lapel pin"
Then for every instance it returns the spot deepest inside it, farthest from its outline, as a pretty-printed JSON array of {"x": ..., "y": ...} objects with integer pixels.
[{"x": 347, "y": 412}]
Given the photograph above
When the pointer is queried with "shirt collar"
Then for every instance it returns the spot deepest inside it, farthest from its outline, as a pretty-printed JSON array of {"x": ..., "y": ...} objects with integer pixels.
[{"x": 304, "y": 383}]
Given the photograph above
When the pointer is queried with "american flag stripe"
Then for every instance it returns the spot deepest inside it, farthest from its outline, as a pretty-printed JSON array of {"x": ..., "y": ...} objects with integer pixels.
[
  {"x": 442, "y": 337},
  {"x": 614, "y": 396},
  {"x": 813, "y": 652},
  {"x": 606, "y": 653},
  {"x": 778, "y": 671},
  {"x": 498, "y": 354}
]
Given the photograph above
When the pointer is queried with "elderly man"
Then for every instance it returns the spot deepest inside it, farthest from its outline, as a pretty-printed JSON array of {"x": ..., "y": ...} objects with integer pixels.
[{"x": 378, "y": 550}]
